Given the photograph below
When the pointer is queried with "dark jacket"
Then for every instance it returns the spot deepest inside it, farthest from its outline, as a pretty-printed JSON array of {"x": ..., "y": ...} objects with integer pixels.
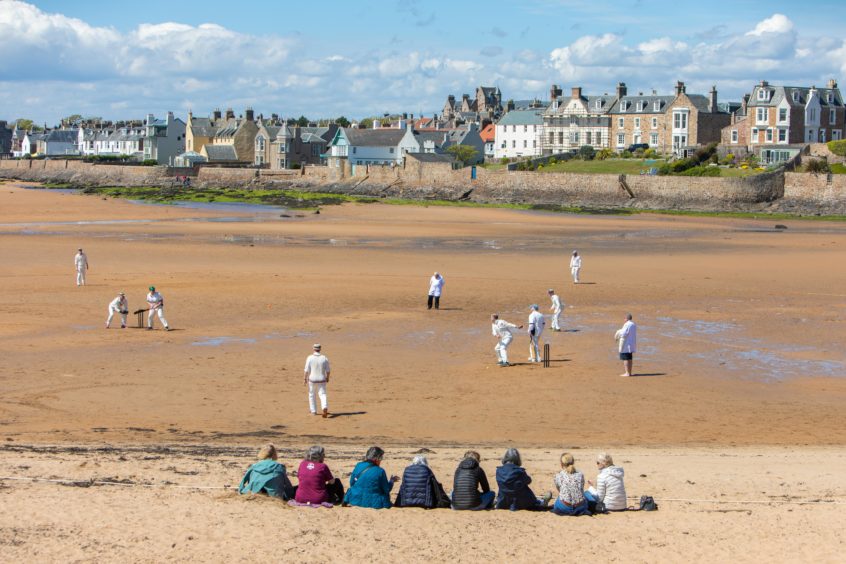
[
  {"x": 369, "y": 487},
  {"x": 418, "y": 488},
  {"x": 465, "y": 487},
  {"x": 514, "y": 492}
]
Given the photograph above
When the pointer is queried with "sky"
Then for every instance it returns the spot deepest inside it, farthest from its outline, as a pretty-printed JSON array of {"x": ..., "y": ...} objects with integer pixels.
[{"x": 335, "y": 57}]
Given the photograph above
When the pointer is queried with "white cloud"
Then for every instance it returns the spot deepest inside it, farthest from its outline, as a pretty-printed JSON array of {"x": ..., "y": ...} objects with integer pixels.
[{"x": 777, "y": 23}]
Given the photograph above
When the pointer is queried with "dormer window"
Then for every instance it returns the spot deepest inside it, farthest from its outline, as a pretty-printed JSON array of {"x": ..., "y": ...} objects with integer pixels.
[
  {"x": 829, "y": 97},
  {"x": 795, "y": 95},
  {"x": 623, "y": 106},
  {"x": 640, "y": 106},
  {"x": 763, "y": 94},
  {"x": 656, "y": 106},
  {"x": 599, "y": 104}
]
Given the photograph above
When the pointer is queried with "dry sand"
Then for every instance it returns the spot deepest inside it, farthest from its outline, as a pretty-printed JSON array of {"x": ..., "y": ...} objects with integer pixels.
[{"x": 741, "y": 388}]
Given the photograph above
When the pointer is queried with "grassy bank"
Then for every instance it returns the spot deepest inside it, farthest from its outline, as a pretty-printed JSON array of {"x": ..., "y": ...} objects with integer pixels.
[{"x": 293, "y": 199}]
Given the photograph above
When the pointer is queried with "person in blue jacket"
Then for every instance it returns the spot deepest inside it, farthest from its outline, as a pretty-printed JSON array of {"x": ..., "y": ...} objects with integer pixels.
[
  {"x": 513, "y": 482},
  {"x": 369, "y": 484},
  {"x": 420, "y": 488},
  {"x": 267, "y": 476}
]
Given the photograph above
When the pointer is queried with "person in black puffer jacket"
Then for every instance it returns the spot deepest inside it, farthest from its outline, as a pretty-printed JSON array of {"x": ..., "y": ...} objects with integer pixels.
[
  {"x": 469, "y": 477},
  {"x": 514, "y": 491},
  {"x": 420, "y": 488}
]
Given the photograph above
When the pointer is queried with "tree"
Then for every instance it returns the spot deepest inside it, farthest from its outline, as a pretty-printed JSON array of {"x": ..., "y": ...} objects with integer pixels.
[
  {"x": 463, "y": 153},
  {"x": 342, "y": 121},
  {"x": 27, "y": 124},
  {"x": 586, "y": 152},
  {"x": 303, "y": 121},
  {"x": 72, "y": 119}
]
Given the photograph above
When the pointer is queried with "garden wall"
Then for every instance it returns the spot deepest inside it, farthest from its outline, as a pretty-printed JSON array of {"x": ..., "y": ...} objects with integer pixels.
[{"x": 824, "y": 190}]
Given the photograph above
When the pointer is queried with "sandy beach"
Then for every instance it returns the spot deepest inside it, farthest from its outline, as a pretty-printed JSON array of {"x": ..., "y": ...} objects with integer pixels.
[{"x": 739, "y": 391}]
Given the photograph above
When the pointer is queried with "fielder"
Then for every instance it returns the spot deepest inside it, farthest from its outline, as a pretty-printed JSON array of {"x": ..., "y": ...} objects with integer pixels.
[
  {"x": 555, "y": 308},
  {"x": 536, "y": 325},
  {"x": 436, "y": 286},
  {"x": 121, "y": 306},
  {"x": 575, "y": 266},
  {"x": 316, "y": 376},
  {"x": 156, "y": 302},
  {"x": 502, "y": 329},
  {"x": 81, "y": 263}
]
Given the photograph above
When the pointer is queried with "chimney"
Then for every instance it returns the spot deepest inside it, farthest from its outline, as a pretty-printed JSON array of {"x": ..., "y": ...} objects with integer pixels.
[
  {"x": 150, "y": 118},
  {"x": 554, "y": 92},
  {"x": 230, "y": 114},
  {"x": 509, "y": 105},
  {"x": 621, "y": 89},
  {"x": 451, "y": 100},
  {"x": 764, "y": 84},
  {"x": 680, "y": 88},
  {"x": 249, "y": 114},
  {"x": 576, "y": 92},
  {"x": 832, "y": 84},
  {"x": 712, "y": 99},
  {"x": 216, "y": 114},
  {"x": 744, "y": 103},
  {"x": 404, "y": 115}
]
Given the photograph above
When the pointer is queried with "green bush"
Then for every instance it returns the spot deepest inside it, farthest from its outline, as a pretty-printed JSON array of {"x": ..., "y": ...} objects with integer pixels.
[
  {"x": 816, "y": 166},
  {"x": 587, "y": 153},
  {"x": 503, "y": 161},
  {"x": 728, "y": 159},
  {"x": 664, "y": 169},
  {"x": 639, "y": 153},
  {"x": 701, "y": 171},
  {"x": 626, "y": 155},
  {"x": 605, "y": 153},
  {"x": 704, "y": 154},
  {"x": 149, "y": 162},
  {"x": 838, "y": 147},
  {"x": 295, "y": 166},
  {"x": 682, "y": 165},
  {"x": 552, "y": 161},
  {"x": 650, "y": 154}
]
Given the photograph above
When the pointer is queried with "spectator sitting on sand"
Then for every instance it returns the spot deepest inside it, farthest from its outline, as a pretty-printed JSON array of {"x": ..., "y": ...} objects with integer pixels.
[
  {"x": 571, "y": 485},
  {"x": 369, "y": 485},
  {"x": 420, "y": 488},
  {"x": 513, "y": 482},
  {"x": 317, "y": 484},
  {"x": 267, "y": 476},
  {"x": 609, "y": 488},
  {"x": 469, "y": 477}
]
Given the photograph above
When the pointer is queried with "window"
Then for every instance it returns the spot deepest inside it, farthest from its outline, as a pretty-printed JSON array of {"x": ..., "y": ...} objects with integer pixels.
[
  {"x": 574, "y": 138},
  {"x": 514, "y": 144},
  {"x": 764, "y": 95},
  {"x": 734, "y": 136},
  {"x": 513, "y": 129},
  {"x": 621, "y": 122},
  {"x": 835, "y": 135},
  {"x": 534, "y": 128},
  {"x": 525, "y": 143},
  {"x": 782, "y": 114},
  {"x": 762, "y": 115},
  {"x": 641, "y": 105},
  {"x": 560, "y": 137},
  {"x": 795, "y": 95},
  {"x": 782, "y": 135},
  {"x": 623, "y": 106},
  {"x": 812, "y": 114},
  {"x": 534, "y": 144},
  {"x": 621, "y": 139},
  {"x": 832, "y": 116},
  {"x": 769, "y": 135},
  {"x": 822, "y": 135},
  {"x": 551, "y": 138},
  {"x": 656, "y": 106},
  {"x": 754, "y": 135},
  {"x": 354, "y": 150},
  {"x": 391, "y": 150},
  {"x": 654, "y": 123},
  {"x": 525, "y": 128},
  {"x": 587, "y": 138},
  {"x": 598, "y": 105},
  {"x": 260, "y": 143},
  {"x": 653, "y": 139},
  {"x": 829, "y": 97},
  {"x": 637, "y": 123},
  {"x": 679, "y": 120},
  {"x": 280, "y": 163},
  {"x": 282, "y": 148}
]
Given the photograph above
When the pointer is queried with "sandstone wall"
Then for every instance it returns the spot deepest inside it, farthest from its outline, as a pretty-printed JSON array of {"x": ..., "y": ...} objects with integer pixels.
[
  {"x": 82, "y": 173},
  {"x": 823, "y": 190}
]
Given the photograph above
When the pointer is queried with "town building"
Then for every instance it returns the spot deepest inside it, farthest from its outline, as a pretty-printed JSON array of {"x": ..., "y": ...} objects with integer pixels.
[
  {"x": 5, "y": 139},
  {"x": 286, "y": 146},
  {"x": 384, "y": 145},
  {"x": 164, "y": 138},
  {"x": 569, "y": 123},
  {"x": 518, "y": 134}
]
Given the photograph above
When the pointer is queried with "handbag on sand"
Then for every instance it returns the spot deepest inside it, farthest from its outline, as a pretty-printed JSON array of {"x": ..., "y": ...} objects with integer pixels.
[{"x": 647, "y": 503}]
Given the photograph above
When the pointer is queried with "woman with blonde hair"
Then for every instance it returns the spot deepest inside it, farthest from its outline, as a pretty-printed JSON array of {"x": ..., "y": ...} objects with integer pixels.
[
  {"x": 267, "y": 476},
  {"x": 610, "y": 491},
  {"x": 571, "y": 484}
]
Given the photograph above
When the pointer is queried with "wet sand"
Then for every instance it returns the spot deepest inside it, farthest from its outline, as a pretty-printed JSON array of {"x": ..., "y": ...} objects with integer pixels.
[{"x": 740, "y": 352}]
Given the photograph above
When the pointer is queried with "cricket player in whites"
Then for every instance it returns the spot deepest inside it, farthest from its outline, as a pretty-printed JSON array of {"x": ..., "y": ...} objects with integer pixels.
[
  {"x": 555, "y": 308},
  {"x": 81, "y": 263},
  {"x": 575, "y": 266},
  {"x": 502, "y": 329},
  {"x": 316, "y": 376},
  {"x": 156, "y": 302},
  {"x": 536, "y": 325},
  {"x": 121, "y": 306}
]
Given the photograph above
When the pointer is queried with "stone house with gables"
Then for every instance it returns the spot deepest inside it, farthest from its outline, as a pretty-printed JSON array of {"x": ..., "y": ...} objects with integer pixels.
[{"x": 580, "y": 120}]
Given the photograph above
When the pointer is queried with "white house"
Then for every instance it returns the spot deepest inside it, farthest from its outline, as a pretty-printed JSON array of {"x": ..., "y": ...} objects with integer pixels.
[
  {"x": 518, "y": 134},
  {"x": 164, "y": 139},
  {"x": 373, "y": 146},
  {"x": 58, "y": 142}
]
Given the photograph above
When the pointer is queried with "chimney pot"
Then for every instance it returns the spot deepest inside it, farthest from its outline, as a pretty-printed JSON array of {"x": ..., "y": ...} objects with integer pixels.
[{"x": 576, "y": 92}]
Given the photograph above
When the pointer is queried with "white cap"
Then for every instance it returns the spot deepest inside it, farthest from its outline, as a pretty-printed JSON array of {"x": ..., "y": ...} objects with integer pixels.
[{"x": 316, "y": 346}]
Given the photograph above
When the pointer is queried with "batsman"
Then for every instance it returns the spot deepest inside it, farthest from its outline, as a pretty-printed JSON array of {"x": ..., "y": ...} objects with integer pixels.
[{"x": 156, "y": 302}]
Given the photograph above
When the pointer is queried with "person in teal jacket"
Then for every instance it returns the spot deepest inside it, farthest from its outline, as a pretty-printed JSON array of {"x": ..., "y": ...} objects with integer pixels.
[
  {"x": 267, "y": 476},
  {"x": 369, "y": 484}
]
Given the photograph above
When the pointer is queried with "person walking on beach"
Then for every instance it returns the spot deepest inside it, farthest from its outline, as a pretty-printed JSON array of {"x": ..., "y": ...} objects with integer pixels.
[
  {"x": 502, "y": 329},
  {"x": 436, "y": 286},
  {"x": 316, "y": 376},
  {"x": 626, "y": 338},
  {"x": 536, "y": 325},
  {"x": 156, "y": 302},
  {"x": 81, "y": 263},
  {"x": 121, "y": 306},
  {"x": 555, "y": 308},
  {"x": 575, "y": 266}
]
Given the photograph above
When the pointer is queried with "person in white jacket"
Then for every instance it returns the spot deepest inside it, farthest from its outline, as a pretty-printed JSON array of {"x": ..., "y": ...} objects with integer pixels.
[
  {"x": 80, "y": 261},
  {"x": 609, "y": 488},
  {"x": 626, "y": 337},
  {"x": 156, "y": 302},
  {"x": 436, "y": 286},
  {"x": 316, "y": 376},
  {"x": 536, "y": 325},
  {"x": 121, "y": 306},
  {"x": 504, "y": 330},
  {"x": 575, "y": 266},
  {"x": 555, "y": 308}
]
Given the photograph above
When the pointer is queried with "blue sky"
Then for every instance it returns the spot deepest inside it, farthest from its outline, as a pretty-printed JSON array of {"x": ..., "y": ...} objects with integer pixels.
[{"x": 362, "y": 58}]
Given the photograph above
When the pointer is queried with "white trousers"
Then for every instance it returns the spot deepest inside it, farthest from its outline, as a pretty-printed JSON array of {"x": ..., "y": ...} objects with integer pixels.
[
  {"x": 160, "y": 311},
  {"x": 112, "y": 313},
  {"x": 501, "y": 347},
  {"x": 556, "y": 316},
  {"x": 575, "y": 272},
  {"x": 534, "y": 349},
  {"x": 320, "y": 388},
  {"x": 80, "y": 276}
]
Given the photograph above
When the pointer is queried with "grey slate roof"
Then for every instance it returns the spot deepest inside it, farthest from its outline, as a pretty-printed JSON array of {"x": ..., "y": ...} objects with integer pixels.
[
  {"x": 649, "y": 107},
  {"x": 220, "y": 152},
  {"x": 203, "y": 127},
  {"x": 382, "y": 137},
  {"x": 62, "y": 136},
  {"x": 432, "y": 157},
  {"x": 522, "y": 117},
  {"x": 779, "y": 93}
]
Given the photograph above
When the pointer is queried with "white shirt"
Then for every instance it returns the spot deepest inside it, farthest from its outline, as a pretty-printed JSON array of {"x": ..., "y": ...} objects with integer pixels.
[
  {"x": 155, "y": 300},
  {"x": 576, "y": 261},
  {"x": 119, "y": 304},
  {"x": 536, "y": 322},
  {"x": 556, "y": 303},
  {"x": 501, "y": 328},
  {"x": 627, "y": 337},
  {"x": 436, "y": 284},
  {"x": 317, "y": 367},
  {"x": 80, "y": 260}
]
